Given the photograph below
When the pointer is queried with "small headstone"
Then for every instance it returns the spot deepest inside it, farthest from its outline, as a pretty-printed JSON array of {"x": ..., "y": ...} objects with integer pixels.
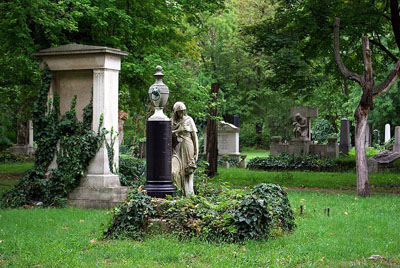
[
  {"x": 387, "y": 132},
  {"x": 236, "y": 120},
  {"x": 345, "y": 145},
  {"x": 396, "y": 147},
  {"x": 243, "y": 163},
  {"x": 382, "y": 160}
]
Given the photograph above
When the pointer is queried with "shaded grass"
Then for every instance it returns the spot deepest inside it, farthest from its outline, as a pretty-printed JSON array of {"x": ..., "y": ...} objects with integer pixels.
[
  {"x": 253, "y": 153},
  {"x": 355, "y": 230},
  {"x": 15, "y": 167},
  {"x": 330, "y": 180}
]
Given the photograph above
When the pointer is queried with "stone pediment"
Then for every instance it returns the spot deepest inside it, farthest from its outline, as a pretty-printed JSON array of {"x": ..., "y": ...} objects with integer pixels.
[
  {"x": 306, "y": 111},
  {"x": 225, "y": 127},
  {"x": 78, "y": 49}
]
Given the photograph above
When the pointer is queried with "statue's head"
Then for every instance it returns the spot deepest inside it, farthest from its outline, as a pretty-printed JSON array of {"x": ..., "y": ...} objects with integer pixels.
[{"x": 179, "y": 106}]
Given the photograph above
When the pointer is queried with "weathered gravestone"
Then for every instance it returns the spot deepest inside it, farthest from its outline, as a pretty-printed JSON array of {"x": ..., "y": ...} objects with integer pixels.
[
  {"x": 301, "y": 143},
  {"x": 387, "y": 132},
  {"x": 24, "y": 139},
  {"x": 382, "y": 160},
  {"x": 228, "y": 140},
  {"x": 345, "y": 144},
  {"x": 90, "y": 72},
  {"x": 396, "y": 147}
]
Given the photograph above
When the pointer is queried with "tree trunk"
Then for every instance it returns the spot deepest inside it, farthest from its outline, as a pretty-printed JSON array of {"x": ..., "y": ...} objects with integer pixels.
[
  {"x": 212, "y": 133},
  {"x": 361, "y": 115}
]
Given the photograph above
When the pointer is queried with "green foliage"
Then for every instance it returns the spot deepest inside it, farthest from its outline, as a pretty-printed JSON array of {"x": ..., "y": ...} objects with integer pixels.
[
  {"x": 213, "y": 215},
  {"x": 74, "y": 144},
  {"x": 303, "y": 162},
  {"x": 131, "y": 218},
  {"x": 322, "y": 130},
  {"x": 132, "y": 171},
  {"x": 7, "y": 157}
]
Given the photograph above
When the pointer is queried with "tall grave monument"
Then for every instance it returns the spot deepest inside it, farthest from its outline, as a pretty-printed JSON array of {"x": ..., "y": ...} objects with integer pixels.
[
  {"x": 90, "y": 73},
  {"x": 159, "y": 142}
]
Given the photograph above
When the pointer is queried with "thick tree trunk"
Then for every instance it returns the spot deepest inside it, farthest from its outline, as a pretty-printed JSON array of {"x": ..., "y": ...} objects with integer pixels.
[
  {"x": 212, "y": 134},
  {"x": 361, "y": 115}
]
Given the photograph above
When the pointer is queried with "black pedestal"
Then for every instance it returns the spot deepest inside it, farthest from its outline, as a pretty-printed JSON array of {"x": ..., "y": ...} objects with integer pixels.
[{"x": 158, "y": 159}]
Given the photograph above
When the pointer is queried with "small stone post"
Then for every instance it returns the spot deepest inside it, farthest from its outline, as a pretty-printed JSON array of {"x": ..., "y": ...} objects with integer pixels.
[
  {"x": 396, "y": 147},
  {"x": 367, "y": 135},
  {"x": 387, "y": 132},
  {"x": 345, "y": 145}
]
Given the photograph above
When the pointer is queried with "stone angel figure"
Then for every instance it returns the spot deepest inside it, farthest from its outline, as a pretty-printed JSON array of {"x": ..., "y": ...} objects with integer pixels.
[{"x": 185, "y": 149}]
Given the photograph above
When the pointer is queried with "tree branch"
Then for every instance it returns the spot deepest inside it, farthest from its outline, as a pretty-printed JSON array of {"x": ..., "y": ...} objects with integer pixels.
[
  {"x": 395, "y": 19},
  {"x": 384, "y": 49},
  {"x": 349, "y": 75},
  {"x": 389, "y": 81}
]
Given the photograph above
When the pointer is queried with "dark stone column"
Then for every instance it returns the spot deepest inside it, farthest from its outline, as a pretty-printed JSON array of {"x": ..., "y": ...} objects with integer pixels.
[{"x": 345, "y": 144}]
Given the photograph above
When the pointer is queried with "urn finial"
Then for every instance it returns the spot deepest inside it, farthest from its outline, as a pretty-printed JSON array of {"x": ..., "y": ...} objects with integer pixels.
[{"x": 158, "y": 94}]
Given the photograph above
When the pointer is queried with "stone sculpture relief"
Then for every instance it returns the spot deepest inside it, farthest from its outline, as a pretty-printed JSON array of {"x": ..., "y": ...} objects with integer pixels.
[
  {"x": 185, "y": 149},
  {"x": 300, "y": 129}
]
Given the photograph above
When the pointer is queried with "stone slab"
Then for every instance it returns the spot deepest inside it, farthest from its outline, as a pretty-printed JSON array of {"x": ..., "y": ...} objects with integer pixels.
[
  {"x": 92, "y": 197},
  {"x": 306, "y": 111}
]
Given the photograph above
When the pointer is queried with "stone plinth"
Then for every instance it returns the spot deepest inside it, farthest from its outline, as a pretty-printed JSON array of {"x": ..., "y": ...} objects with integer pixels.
[
  {"x": 90, "y": 72},
  {"x": 330, "y": 150},
  {"x": 345, "y": 142},
  {"x": 24, "y": 146},
  {"x": 299, "y": 147},
  {"x": 276, "y": 147}
]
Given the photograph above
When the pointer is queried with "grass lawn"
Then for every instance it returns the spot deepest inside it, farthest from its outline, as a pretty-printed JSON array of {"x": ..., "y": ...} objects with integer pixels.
[
  {"x": 252, "y": 153},
  {"x": 330, "y": 180},
  {"x": 15, "y": 167},
  {"x": 356, "y": 229}
]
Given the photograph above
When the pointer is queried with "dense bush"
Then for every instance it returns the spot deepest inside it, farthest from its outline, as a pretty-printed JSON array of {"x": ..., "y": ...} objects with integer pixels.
[
  {"x": 213, "y": 215},
  {"x": 131, "y": 171},
  {"x": 303, "y": 162},
  {"x": 7, "y": 157},
  {"x": 322, "y": 130}
]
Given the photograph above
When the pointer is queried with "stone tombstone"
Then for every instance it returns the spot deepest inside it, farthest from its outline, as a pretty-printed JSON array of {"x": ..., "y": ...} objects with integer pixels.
[
  {"x": 345, "y": 142},
  {"x": 24, "y": 139},
  {"x": 236, "y": 120},
  {"x": 302, "y": 121},
  {"x": 90, "y": 72},
  {"x": 228, "y": 139},
  {"x": 396, "y": 147},
  {"x": 387, "y": 132}
]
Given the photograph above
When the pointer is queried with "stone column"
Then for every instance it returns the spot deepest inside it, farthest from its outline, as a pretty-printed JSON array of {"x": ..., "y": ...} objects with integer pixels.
[
  {"x": 396, "y": 147},
  {"x": 30, "y": 126},
  {"x": 367, "y": 135},
  {"x": 387, "y": 132},
  {"x": 90, "y": 72},
  {"x": 345, "y": 145}
]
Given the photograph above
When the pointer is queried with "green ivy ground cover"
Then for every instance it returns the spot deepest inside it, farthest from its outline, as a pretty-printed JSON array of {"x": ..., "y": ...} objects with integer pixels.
[{"x": 356, "y": 229}]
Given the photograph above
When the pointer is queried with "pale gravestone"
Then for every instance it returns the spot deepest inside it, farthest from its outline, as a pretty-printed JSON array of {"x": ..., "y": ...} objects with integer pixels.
[
  {"x": 228, "y": 140},
  {"x": 387, "y": 132},
  {"x": 345, "y": 145},
  {"x": 396, "y": 147},
  {"x": 90, "y": 72}
]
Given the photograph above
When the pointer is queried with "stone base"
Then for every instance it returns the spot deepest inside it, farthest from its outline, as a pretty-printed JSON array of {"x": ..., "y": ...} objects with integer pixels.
[
  {"x": 22, "y": 149},
  {"x": 99, "y": 192},
  {"x": 299, "y": 147}
]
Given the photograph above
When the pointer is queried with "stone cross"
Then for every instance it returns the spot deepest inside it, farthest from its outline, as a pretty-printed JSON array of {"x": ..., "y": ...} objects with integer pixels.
[
  {"x": 345, "y": 144},
  {"x": 387, "y": 132},
  {"x": 396, "y": 147}
]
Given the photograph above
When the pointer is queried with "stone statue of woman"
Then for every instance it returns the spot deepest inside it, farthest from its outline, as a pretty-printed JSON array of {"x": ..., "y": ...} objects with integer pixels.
[{"x": 185, "y": 149}]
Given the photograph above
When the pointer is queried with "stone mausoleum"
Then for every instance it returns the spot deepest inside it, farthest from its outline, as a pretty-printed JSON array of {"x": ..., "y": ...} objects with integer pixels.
[{"x": 301, "y": 143}]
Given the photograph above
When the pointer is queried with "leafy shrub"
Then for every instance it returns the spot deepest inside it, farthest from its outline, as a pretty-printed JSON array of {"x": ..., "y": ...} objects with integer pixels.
[
  {"x": 322, "y": 130},
  {"x": 131, "y": 218},
  {"x": 215, "y": 215},
  {"x": 303, "y": 162},
  {"x": 131, "y": 171}
]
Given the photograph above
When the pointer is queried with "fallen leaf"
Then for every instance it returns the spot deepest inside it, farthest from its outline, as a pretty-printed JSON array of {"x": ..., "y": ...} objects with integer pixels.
[
  {"x": 322, "y": 259},
  {"x": 81, "y": 221},
  {"x": 92, "y": 241},
  {"x": 375, "y": 257},
  {"x": 369, "y": 226},
  {"x": 64, "y": 227},
  {"x": 355, "y": 198},
  {"x": 345, "y": 213}
]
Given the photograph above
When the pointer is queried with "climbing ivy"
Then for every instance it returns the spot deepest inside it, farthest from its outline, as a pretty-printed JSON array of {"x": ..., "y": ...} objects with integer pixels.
[{"x": 72, "y": 142}]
